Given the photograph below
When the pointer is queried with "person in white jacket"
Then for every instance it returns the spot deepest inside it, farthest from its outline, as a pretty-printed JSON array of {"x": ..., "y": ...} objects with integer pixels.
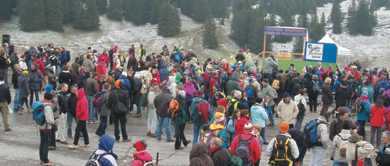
[
  {"x": 364, "y": 148},
  {"x": 152, "y": 116},
  {"x": 335, "y": 146},
  {"x": 300, "y": 98},
  {"x": 172, "y": 85},
  {"x": 319, "y": 149}
]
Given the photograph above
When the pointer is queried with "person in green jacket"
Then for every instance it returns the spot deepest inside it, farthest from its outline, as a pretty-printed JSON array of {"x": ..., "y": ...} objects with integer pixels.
[{"x": 233, "y": 85}]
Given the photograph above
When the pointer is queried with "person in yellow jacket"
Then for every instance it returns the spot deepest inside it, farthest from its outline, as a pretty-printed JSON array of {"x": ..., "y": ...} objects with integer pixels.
[
  {"x": 142, "y": 51},
  {"x": 233, "y": 58},
  {"x": 248, "y": 55}
]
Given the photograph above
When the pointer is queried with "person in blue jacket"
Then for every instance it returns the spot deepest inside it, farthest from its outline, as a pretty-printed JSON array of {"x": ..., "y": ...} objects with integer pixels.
[
  {"x": 106, "y": 144},
  {"x": 123, "y": 78},
  {"x": 363, "y": 117},
  {"x": 63, "y": 58},
  {"x": 163, "y": 72},
  {"x": 382, "y": 84}
]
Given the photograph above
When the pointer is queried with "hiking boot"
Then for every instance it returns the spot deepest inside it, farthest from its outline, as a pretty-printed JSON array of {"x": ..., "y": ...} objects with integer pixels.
[
  {"x": 117, "y": 141},
  {"x": 52, "y": 148},
  {"x": 153, "y": 135},
  {"x": 266, "y": 143},
  {"x": 270, "y": 125},
  {"x": 158, "y": 139},
  {"x": 58, "y": 140},
  {"x": 85, "y": 145},
  {"x": 137, "y": 115},
  {"x": 131, "y": 112},
  {"x": 188, "y": 142},
  {"x": 148, "y": 134},
  {"x": 73, "y": 146},
  {"x": 127, "y": 140},
  {"x": 47, "y": 164},
  {"x": 64, "y": 142},
  {"x": 8, "y": 130},
  {"x": 20, "y": 113},
  {"x": 170, "y": 140}
]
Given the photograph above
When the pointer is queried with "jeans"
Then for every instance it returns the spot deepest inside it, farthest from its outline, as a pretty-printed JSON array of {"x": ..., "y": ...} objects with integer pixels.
[
  {"x": 61, "y": 127},
  {"x": 17, "y": 99},
  {"x": 299, "y": 121},
  {"x": 44, "y": 145},
  {"x": 339, "y": 163},
  {"x": 180, "y": 136},
  {"x": 317, "y": 156},
  {"x": 302, "y": 153},
  {"x": 378, "y": 132},
  {"x": 102, "y": 126},
  {"x": 81, "y": 126},
  {"x": 270, "y": 114},
  {"x": 152, "y": 120},
  {"x": 58, "y": 69},
  {"x": 91, "y": 109},
  {"x": 32, "y": 92},
  {"x": 139, "y": 109},
  {"x": 70, "y": 118},
  {"x": 362, "y": 124},
  {"x": 313, "y": 103},
  {"x": 196, "y": 134},
  {"x": 262, "y": 133},
  {"x": 167, "y": 122},
  {"x": 123, "y": 120}
]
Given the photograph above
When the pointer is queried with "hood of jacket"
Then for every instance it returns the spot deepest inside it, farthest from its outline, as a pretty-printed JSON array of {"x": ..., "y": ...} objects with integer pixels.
[
  {"x": 104, "y": 90},
  {"x": 296, "y": 80},
  {"x": 1, "y": 82},
  {"x": 156, "y": 75},
  {"x": 80, "y": 93},
  {"x": 164, "y": 66},
  {"x": 197, "y": 99},
  {"x": 198, "y": 149},
  {"x": 365, "y": 98},
  {"x": 143, "y": 155},
  {"x": 106, "y": 143},
  {"x": 286, "y": 134},
  {"x": 178, "y": 78},
  {"x": 322, "y": 119},
  {"x": 219, "y": 121},
  {"x": 171, "y": 80},
  {"x": 165, "y": 91},
  {"x": 235, "y": 78}
]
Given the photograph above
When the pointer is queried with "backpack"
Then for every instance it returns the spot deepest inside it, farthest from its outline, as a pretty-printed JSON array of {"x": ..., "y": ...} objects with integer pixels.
[
  {"x": 201, "y": 113},
  {"x": 275, "y": 84},
  {"x": 149, "y": 163},
  {"x": 243, "y": 150},
  {"x": 201, "y": 79},
  {"x": 296, "y": 88},
  {"x": 68, "y": 56},
  {"x": 343, "y": 146},
  {"x": 223, "y": 79},
  {"x": 144, "y": 99},
  {"x": 39, "y": 112},
  {"x": 97, "y": 100},
  {"x": 301, "y": 108},
  {"x": 234, "y": 160},
  {"x": 386, "y": 100},
  {"x": 206, "y": 138},
  {"x": 94, "y": 161},
  {"x": 177, "y": 57},
  {"x": 281, "y": 151},
  {"x": 145, "y": 79},
  {"x": 173, "y": 109},
  {"x": 316, "y": 87},
  {"x": 231, "y": 106},
  {"x": 307, "y": 78},
  {"x": 249, "y": 92},
  {"x": 53, "y": 60},
  {"x": 359, "y": 107},
  {"x": 310, "y": 133}
]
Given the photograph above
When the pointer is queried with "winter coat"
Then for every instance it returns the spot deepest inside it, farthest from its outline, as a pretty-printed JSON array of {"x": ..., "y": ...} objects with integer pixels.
[
  {"x": 336, "y": 126},
  {"x": 184, "y": 114},
  {"x": 299, "y": 98},
  {"x": 151, "y": 96},
  {"x": 341, "y": 96},
  {"x": 137, "y": 92},
  {"x": 270, "y": 92},
  {"x": 255, "y": 151},
  {"x": 104, "y": 111},
  {"x": 310, "y": 90},
  {"x": 383, "y": 84},
  {"x": 5, "y": 93},
  {"x": 101, "y": 69},
  {"x": 141, "y": 157},
  {"x": 63, "y": 102},
  {"x": 327, "y": 94},
  {"x": 82, "y": 78},
  {"x": 72, "y": 103},
  {"x": 297, "y": 135},
  {"x": 364, "y": 150},
  {"x": 82, "y": 106},
  {"x": 35, "y": 79},
  {"x": 41, "y": 66},
  {"x": 23, "y": 65},
  {"x": 233, "y": 85},
  {"x": 258, "y": 115},
  {"x": 249, "y": 64},
  {"x": 172, "y": 85},
  {"x": 163, "y": 72},
  {"x": 49, "y": 116},
  {"x": 269, "y": 65},
  {"x": 161, "y": 102},
  {"x": 106, "y": 144},
  {"x": 189, "y": 88},
  {"x": 119, "y": 94},
  {"x": 294, "y": 148},
  {"x": 132, "y": 63},
  {"x": 293, "y": 89},
  {"x": 155, "y": 79},
  {"x": 220, "y": 156},
  {"x": 89, "y": 66},
  {"x": 287, "y": 111},
  {"x": 91, "y": 87},
  {"x": 370, "y": 92},
  {"x": 194, "y": 104},
  {"x": 199, "y": 156},
  {"x": 377, "y": 114},
  {"x": 240, "y": 123},
  {"x": 231, "y": 128},
  {"x": 125, "y": 81},
  {"x": 366, "y": 113},
  {"x": 213, "y": 81},
  {"x": 322, "y": 132},
  {"x": 65, "y": 77},
  {"x": 335, "y": 145},
  {"x": 23, "y": 86}
]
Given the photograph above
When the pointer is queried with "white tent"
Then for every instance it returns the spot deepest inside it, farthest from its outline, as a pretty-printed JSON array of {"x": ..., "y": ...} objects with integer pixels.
[{"x": 340, "y": 50}]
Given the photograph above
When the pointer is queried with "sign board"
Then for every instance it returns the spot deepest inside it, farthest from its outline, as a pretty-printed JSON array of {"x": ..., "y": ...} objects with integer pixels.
[
  {"x": 284, "y": 56},
  {"x": 285, "y": 31},
  {"x": 320, "y": 52}
]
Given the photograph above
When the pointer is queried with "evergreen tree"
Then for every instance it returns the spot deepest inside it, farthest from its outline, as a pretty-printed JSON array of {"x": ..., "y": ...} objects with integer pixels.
[
  {"x": 239, "y": 5},
  {"x": 91, "y": 16},
  {"x": 186, "y": 7},
  {"x": 323, "y": 19},
  {"x": 115, "y": 10},
  {"x": 222, "y": 21},
  {"x": 210, "y": 39},
  {"x": 272, "y": 19},
  {"x": 135, "y": 11},
  {"x": 336, "y": 17},
  {"x": 67, "y": 11},
  {"x": 316, "y": 30},
  {"x": 169, "y": 23},
  {"x": 32, "y": 15},
  {"x": 102, "y": 6},
  {"x": 201, "y": 10},
  {"x": 219, "y": 8},
  {"x": 286, "y": 20},
  {"x": 365, "y": 24},
  {"x": 6, "y": 9},
  {"x": 320, "y": 3},
  {"x": 53, "y": 12},
  {"x": 240, "y": 26},
  {"x": 154, "y": 11},
  {"x": 352, "y": 19},
  {"x": 302, "y": 19},
  {"x": 79, "y": 12},
  {"x": 256, "y": 39}
]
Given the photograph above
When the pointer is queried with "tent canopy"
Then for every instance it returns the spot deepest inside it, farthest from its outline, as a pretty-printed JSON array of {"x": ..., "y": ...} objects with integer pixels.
[{"x": 340, "y": 50}]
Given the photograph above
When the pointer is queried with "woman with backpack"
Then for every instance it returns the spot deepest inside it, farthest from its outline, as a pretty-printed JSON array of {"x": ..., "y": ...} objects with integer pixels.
[
  {"x": 301, "y": 104},
  {"x": 313, "y": 89},
  {"x": 377, "y": 121},
  {"x": 339, "y": 146},
  {"x": 362, "y": 113},
  {"x": 104, "y": 112}
]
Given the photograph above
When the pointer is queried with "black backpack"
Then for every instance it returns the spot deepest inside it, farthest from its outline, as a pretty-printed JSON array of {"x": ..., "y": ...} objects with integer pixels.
[
  {"x": 243, "y": 150},
  {"x": 359, "y": 107},
  {"x": 94, "y": 161},
  {"x": 281, "y": 151},
  {"x": 68, "y": 56},
  {"x": 295, "y": 89},
  {"x": 301, "y": 108},
  {"x": 386, "y": 100}
]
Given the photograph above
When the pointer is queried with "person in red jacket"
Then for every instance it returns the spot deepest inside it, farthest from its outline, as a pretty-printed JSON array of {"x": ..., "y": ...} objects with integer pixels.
[
  {"x": 213, "y": 81},
  {"x": 40, "y": 63},
  {"x": 156, "y": 77},
  {"x": 240, "y": 123},
  {"x": 105, "y": 56},
  {"x": 377, "y": 122},
  {"x": 140, "y": 154},
  {"x": 255, "y": 150},
  {"x": 101, "y": 69},
  {"x": 82, "y": 116}
]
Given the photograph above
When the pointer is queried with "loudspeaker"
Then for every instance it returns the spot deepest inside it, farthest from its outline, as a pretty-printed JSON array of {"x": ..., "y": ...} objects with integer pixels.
[{"x": 6, "y": 39}]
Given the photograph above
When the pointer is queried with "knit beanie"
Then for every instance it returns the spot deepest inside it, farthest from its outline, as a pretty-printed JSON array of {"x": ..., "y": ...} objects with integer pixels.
[
  {"x": 346, "y": 125},
  {"x": 286, "y": 95},
  {"x": 182, "y": 93},
  {"x": 248, "y": 127},
  {"x": 48, "y": 87},
  {"x": 217, "y": 86},
  {"x": 48, "y": 96},
  {"x": 284, "y": 127},
  {"x": 199, "y": 93},
  {"x": 237, "y": 93},
  {"x": 25, "y": 73},
  {"x": 259, "y": 100},
  {"x": 365, "y": 93},
  {"x": 138, "y": 145}
]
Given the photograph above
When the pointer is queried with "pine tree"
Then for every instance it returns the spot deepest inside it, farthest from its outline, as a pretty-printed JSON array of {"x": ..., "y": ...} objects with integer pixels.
[
  {"x": 365, "y": 24},
  {"x": 323, "y": 19},
  {"x": 135, "y": 11},
  {"x": 186, "y": 7},
  {"x": 154, "y": 11},
  {"x": 219, "y": 8},
  {"x": 201, "y": 10},
  {"x": 115, "y": 10},
  {"x": 316, "y": 30},
  {"x": 102, "y": 6},
  {"x": 86, "y": 15},
  {"x": 256, "y": 40},
  {"x": 272, "y": 19},
  {"x": 32, "y": 15},
  {"x": 352, "y": 19},
  {"x": 302, "y": 19},
  {"x": 320, "y": 3},
  {"x": 53, "y": 12},
  {"x": 336, "y": 17},
  {"x": 67, "y": 11},
  {"x": 286, "y": 20},
  {"x": 5, "y": 9},
  {"x": 240, "y": 26},
  {"x": 79, "y": 12},
  {"x": 169, "y": 23},
  {"x": 239, "y": 5},
  {"x": 210, "y": 39}
]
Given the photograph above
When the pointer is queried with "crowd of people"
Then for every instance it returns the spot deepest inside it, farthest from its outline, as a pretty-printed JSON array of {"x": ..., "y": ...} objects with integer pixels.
[{"x": 230, "y": 103}]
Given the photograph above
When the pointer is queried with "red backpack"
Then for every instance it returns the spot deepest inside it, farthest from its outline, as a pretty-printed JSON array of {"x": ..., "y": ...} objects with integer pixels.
[{"x": 203, "y": 113}]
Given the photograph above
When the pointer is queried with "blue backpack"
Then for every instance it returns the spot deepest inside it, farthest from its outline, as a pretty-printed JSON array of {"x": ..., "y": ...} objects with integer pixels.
[
  {"x": 97, "y": 100},
  {"x": 38, "y": 112},
  {"x": 201, "y": 79},
  {"x": 310, "y": 133},
  {"x": 177, "y": 57},
  {"x": 249, "y": 92}
]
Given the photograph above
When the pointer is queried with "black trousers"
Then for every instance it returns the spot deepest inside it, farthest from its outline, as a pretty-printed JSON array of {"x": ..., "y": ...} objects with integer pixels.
[
  {"x": 53, "y": 137},
  {"x": 81, "y": 126},
  {"x": 123, "y": 120},
  {"x": 44, "y": 145},
  {"x": 180, "y": 136},
  {"x": 313, "y": 103},
  {"x": 111, "y": 61}
]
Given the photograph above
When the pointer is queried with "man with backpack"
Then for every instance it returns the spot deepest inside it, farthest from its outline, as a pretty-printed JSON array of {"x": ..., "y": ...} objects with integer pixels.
[
  {"x": 337, "y": 124},
  {"x": 246, "y": 146},
  {"x": 104, "y": 156},
  {"x": 272, "y": 94},
  {"x": 63, "y": 106},
  {"x": 338, "y": 147},
  {"x": 219, "y": 155},
  {"x": 91, "y": 88},
  {"x": 161, "y": 103},
  {"x": 251, "y": 93},
  {"x": 194, "y": 112},
  {"x": 282, "y": 149},
  {"x": 321, "y": 144},
  {"x": 45, "y": 129}
]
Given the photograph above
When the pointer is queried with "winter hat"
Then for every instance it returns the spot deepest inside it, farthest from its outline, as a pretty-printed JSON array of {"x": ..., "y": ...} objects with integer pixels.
[
  {"x": 237, "y": 93},
  {"x": 251, "y": 81},
  {"x": 182, "y": 93},
  {"x": 48, "y": 96},
  {"x": 214, "y": 73},
  {"x": 138, "y": 145},
  {"x": 219, "y": 118},
  {"x": 2, "y": 78},
  {"x": 23, "y": 56},
  {"x": 242, "y": 106},
  {"x": 137, "y": 76},
  {"x": 48, "y": 87},
  {"x": 245, "y": 73},
  {"x": 223, "y": 102},
  {"x": 259, "y": 100},
  {"x": 265, "y": 80},
  {"x": 286, "y": 95},
  {"x": 199, "y": 93},
  {"x": 365, "y": 93},
  {"x": 346, "y": 125},
  {"x": 103, "y": 59},
  {"x": 124, "y": 73},
  {"x": 25, "y": 73},
  {"x": 248, "y": 127},
  {"x": 284, "y": 127},
  {"x": 216, "y": 85}
]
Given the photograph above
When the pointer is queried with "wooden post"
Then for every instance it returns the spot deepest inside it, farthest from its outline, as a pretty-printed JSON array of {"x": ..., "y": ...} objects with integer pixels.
[
  {"x": 265, "y": 42},
  {"x": 303, "y": 53}
]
